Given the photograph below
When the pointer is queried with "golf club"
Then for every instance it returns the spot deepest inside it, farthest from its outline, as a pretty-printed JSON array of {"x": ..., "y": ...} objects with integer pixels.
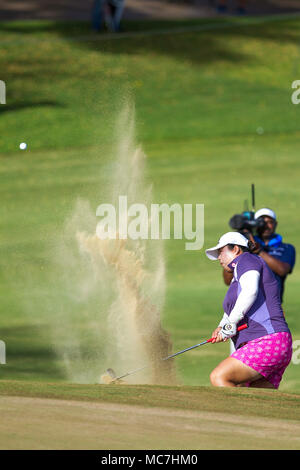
[{"x": 110, "y": 372}]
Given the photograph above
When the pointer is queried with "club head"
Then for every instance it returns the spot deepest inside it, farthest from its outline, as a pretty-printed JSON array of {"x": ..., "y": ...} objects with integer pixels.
[{"x": 109, "y": 377}]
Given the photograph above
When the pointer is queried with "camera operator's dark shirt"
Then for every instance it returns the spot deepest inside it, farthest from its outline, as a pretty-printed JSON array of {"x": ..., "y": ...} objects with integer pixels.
[{"x": 283, "y": 252}]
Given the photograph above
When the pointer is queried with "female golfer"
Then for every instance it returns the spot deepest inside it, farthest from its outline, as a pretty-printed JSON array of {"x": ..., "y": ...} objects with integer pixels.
[{"x": 264, "y": 349}]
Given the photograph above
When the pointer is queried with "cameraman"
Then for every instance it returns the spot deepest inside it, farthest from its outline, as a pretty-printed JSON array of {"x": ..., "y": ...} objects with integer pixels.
[{"x": 279, "y": 256}]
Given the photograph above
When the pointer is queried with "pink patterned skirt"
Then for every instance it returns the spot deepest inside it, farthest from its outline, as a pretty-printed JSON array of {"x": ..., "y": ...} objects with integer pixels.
[{"x": 269, "y": 355}]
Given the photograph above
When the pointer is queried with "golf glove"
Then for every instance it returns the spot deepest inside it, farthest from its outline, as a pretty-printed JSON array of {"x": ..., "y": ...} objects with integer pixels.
[
  {"x": 228, "y": 330},
  {"x": 224, "y": 320}
]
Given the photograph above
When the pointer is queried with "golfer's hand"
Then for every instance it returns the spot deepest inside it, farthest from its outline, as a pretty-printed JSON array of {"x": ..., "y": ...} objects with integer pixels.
[
  {"x": 217, "y": 337},
  {"x": 228, "y": 331}
]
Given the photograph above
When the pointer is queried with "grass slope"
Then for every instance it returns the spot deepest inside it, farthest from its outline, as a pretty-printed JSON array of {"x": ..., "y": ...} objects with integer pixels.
[
  {"x": 200, "y": 98},
  {"x": 242, "y": 401},
  {"x": 152, "y": 417}
]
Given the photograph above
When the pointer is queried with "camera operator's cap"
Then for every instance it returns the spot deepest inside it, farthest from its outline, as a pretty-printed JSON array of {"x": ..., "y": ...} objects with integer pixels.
[
  {"x": 265, "y": 211},
  {"x": 234, "y": 238}
]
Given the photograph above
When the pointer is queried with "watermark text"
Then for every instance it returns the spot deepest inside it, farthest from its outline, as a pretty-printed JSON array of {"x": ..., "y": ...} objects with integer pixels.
[
  {"x": 137, "y": 222},
  {"x": 2, "y": 92},
  {"x": 2, "y": 352}
]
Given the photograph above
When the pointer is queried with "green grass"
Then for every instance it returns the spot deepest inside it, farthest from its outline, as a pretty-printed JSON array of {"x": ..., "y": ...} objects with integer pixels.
[
  {"x": 244, "y": 402},
  {"x": 200, "y": 97},
  {"x": 64, "y": 93}
]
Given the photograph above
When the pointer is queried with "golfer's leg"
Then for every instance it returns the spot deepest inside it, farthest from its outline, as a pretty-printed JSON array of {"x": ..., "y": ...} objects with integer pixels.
[
  {"x": 261, "y": 383},
  {"x": 232, "y": 372}
]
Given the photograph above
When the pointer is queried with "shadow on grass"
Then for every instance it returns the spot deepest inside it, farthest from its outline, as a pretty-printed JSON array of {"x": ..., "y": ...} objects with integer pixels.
[
  {"x": 78, "y": 9},
  {"x": 27, "y": 104},
  {"x": 199, "y": 41},
  {"x": 28, "y": 354}
]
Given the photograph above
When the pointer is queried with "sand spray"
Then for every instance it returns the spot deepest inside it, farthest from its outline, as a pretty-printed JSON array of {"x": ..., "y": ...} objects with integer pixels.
[{"x": 113, "y": 289}]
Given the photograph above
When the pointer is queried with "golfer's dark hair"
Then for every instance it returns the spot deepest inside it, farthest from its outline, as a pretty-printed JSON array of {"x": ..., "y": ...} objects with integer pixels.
[{"x": 243, "y": 248}]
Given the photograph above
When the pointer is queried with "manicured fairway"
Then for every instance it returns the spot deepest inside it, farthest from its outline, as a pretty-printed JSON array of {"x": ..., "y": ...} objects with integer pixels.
[{"x": 52, "y": 416}]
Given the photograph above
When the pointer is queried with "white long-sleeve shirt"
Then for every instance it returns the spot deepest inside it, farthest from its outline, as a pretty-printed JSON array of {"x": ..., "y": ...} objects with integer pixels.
[{"x": 249, "y": 283}]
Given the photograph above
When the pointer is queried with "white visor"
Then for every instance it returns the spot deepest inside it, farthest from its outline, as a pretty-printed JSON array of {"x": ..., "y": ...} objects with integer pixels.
[{"x": 232, "y": 238}]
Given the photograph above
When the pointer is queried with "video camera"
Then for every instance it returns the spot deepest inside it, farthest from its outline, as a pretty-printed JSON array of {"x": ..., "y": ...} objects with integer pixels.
[{"x": 246, "y": 222}]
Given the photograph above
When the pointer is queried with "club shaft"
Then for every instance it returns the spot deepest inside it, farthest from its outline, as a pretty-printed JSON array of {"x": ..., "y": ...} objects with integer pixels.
[
  {"x": 163, "y": 359},
  {"x": 184, "y": 350},
  {"x": 129, "y": 373},
  {"x": 240, "y": 328}
]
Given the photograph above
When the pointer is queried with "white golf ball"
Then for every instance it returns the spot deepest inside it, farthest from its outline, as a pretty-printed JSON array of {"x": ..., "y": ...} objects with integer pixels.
[
  {"x": 260, "y": 130},
  {"x": 23, "y": 146}
]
